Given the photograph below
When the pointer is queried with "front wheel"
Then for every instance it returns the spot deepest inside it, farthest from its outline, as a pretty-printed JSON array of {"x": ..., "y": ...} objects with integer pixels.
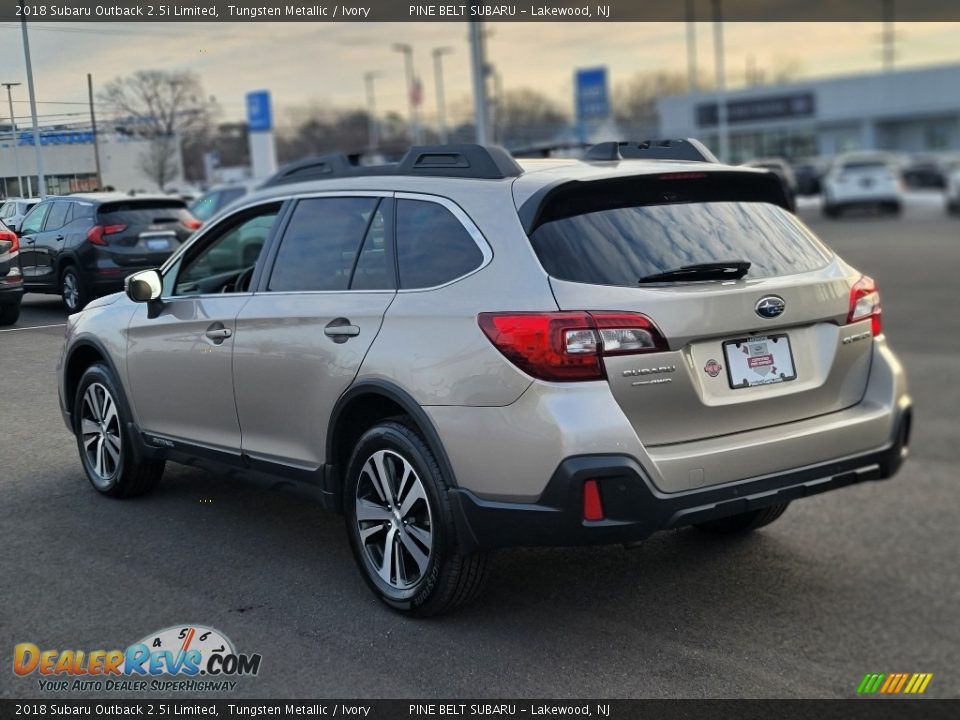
[
  {"x": 744, "y": 522},
  {"x": 401, "y": 526},
  {"x": 106, "y": 450}
]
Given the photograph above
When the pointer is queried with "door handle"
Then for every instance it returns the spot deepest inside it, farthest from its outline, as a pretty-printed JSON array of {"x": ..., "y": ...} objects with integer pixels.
[
  {"x": 340, "y": 330},
  {"x": 58, "y": 238},
  {"x": 218, "y": 333}
]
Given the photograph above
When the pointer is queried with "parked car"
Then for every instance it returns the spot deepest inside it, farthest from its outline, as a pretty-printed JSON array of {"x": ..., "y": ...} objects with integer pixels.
[
  {"x": 924, "y": 172},
  {"x": 11, "y": 279},
  {"x": 865, "y": 179},
  {"x": 460, "y": 352},
  {"x": 781, "y": 168},
  {"x": 952, "y": 191},
  {"x": 84, "y": 245},
  {"x": 14, "y": 210},
  {"x": 217, "y": 198},
  {"x": 808, "y": 172}
]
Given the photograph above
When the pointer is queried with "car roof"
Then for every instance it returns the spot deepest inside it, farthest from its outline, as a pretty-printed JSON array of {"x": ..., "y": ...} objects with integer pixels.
[{"x": 104, "y": 197}]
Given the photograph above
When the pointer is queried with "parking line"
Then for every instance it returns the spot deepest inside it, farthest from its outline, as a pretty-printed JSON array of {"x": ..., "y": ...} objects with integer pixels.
[{"x": 35, "y": 327}]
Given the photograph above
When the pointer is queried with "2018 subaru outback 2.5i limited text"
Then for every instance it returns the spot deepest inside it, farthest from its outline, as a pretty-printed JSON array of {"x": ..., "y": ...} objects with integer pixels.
[{"x": 459, "y": 353}]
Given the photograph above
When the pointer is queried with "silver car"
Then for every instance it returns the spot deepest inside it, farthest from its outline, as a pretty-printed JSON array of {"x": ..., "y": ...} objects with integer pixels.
[
  {"x": 14, "y": 210},
  {"x": 459, "y": 353}
]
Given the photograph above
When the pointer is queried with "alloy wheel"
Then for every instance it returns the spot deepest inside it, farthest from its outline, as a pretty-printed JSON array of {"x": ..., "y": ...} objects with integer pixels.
[
  {"x": 71, "y": 290},
  {"x": 100, "y": 433},
  {"x": 393, "y": 520}
]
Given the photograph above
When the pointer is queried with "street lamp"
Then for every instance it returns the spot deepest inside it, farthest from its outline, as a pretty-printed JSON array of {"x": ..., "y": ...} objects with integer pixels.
[
  {"x": 33, "y": 105},
  {"x": 478, "y": 63},
  {"x": 412, "y": 103},
  {"x": 373, "y": 127},
  {"x": 13, "y": 125},
  {"x": 438, "y": 54}
]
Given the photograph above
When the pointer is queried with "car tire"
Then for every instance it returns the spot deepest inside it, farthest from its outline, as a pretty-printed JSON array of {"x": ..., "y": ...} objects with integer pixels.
[
  {"x": 401, "y": 524},
  {"x": 9, "y": 314},
  {"x": 73, "y": 291},
  {"x": 100, "y": 424},
  {"x": 744, "y": 522}
]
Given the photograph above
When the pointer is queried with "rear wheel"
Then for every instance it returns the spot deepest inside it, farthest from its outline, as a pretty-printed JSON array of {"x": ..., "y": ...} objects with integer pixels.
[
  {"x": 100, "y": 424},
  {"x": 9, "y": 314},
  {"x": 72, "y": 290},
  {"x": 744, "y": 522},
  {"x": 401, "y": 526}
]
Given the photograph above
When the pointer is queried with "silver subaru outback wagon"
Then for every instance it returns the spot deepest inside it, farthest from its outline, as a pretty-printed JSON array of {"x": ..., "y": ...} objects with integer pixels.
[{"x": 460, "y": 352}]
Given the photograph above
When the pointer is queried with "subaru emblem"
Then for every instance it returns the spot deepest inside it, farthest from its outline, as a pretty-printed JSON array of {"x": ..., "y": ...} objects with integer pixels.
[{"x": 770, "y": 306}]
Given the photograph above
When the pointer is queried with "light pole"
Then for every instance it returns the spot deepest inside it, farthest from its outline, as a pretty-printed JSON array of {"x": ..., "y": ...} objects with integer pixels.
[
  {"x": 478, "y": 63},
  {"x": 691, "y": 48},
  {"x": 373, "y": 128},
  {"x": 723, "y": 131},
  {"x": 13, "y": 125},
  {"x": 41, "y": 180},
  {"x": 407, "y": 52},
  {"x": 438, "y": 54}
]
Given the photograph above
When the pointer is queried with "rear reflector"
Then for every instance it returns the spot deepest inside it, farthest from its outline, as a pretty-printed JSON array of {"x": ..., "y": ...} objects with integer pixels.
[
  {"x": 865, "y": 303},
  {"x": 592, "y": 505},
  {"x": 569, "y": 346},
  {"x": 192, "y": 223}
]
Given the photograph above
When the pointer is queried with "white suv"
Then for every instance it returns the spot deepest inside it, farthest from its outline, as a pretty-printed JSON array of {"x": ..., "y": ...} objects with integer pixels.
[{"x": 862, "y": 180}]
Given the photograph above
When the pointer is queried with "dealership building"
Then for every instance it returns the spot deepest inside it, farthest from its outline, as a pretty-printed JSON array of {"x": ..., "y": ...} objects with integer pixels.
[
  {"x": 69, "y": 164},
  {"x": 915, "y": 111}
]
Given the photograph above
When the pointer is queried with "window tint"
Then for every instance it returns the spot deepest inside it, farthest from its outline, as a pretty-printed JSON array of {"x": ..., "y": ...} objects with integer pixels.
[
  {"x": 228, "y": 195},
  {"x": 144, "y": 212},
  {"x": 320, "y": 244},
  {"x": 82, "y": 210},
  {"x": 57, "y": 217},
  {"x": 373, "y": 272},
  {"x": 620, "y": 246},
  {"x": 34, "y": 221},
  {"x": 231, "y": 249},
  {"x": 433, "y": 247}
]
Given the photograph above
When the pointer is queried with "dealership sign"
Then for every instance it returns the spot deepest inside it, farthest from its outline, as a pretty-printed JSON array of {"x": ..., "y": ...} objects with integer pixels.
[{"x": 772, "y": 107}]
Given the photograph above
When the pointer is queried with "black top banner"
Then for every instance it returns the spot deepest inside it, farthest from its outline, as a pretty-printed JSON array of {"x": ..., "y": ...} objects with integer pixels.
[{"x": 544, "y": 11}]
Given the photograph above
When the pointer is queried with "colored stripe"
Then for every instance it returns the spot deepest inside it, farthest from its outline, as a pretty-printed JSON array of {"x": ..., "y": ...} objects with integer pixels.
[
  {"x": 926, "y": 681},
  {"x": 903, "y": 679},
  {"x": 865, "y": 683},
  {"x": 877, "y": 679},
  {"x": 891, "y": 679},
  {"x": 915, "y": 681}
]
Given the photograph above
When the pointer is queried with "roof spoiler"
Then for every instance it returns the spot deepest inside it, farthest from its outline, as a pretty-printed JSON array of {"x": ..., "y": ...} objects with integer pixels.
[
  {"x": 689, "y": 149},
  {"x": 489, "y": 162}
]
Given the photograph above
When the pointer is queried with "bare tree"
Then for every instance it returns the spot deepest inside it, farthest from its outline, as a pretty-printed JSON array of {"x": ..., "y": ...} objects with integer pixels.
[
  {"x": 524, "y": 117},
  {"x": 635, "y": 102},
  {"x": 159, "y": 161},
  {"x": 160, "y": 106}
]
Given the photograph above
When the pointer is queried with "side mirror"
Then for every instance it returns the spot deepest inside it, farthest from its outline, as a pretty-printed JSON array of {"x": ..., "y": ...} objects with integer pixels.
[{"x": 144, "y": 286}]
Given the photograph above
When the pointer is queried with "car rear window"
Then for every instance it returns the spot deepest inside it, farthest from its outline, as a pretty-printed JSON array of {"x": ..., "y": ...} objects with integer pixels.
[
  {"x": 621, "y": 245},
  {"x": 143, "y": 212},
  {"x": 865, "y": 165}
]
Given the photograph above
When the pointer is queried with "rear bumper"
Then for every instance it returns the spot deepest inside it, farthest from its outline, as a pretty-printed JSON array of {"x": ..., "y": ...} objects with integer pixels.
[
  {"x": 634, "y": 508},
  {"x": 11, "y": 294}
]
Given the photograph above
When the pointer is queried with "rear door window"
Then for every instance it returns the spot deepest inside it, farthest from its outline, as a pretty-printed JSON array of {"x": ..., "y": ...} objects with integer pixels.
[
  {"x": 321, "y": 242},
  {"x": 433, "y": 246},
  {"x": 34, "y": 221},
  {"x": 621, "y": 245},
  {"x": 57, "y": 217}
]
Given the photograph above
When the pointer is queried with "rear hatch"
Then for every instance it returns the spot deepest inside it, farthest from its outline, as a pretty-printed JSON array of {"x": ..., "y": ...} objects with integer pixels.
[
  {"x": 767, "y": 348},
  {"x": 144, "y": 232},
  {"x": 865, "y": 178}
]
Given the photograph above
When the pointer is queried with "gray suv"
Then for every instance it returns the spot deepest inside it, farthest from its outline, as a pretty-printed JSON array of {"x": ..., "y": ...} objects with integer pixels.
[{"x": 459, "y": 353}]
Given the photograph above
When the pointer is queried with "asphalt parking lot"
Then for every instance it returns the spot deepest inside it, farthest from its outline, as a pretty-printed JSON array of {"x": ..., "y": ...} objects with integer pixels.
[{"x": 861, "y": 580}]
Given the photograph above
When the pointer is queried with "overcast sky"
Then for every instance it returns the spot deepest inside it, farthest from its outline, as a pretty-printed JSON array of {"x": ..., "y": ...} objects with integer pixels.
[{"x": 323, "y": 64}]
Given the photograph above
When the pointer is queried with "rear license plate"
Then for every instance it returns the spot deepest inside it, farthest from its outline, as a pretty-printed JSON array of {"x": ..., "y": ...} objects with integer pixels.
[
  {"x": 759, "y": 360},
  {"x": 161, "y": 244}
]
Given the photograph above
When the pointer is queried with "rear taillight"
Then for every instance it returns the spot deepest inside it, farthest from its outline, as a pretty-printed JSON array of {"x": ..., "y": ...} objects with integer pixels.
[
  {"x": 592, "y": 503},
  {"x": 191, "y": 223},
  {"x": 865, "y": 303},
  {"x": 96, "y": 234},
  {"x": 9, "y": 237},
  {"x": 569, "y": 346}
]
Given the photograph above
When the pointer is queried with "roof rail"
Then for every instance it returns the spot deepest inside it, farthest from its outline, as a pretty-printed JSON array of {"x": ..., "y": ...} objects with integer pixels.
[
  {"x": 489, "y": 162},
  {"x": 463, "y": 161},
  {"x": 689, "y": 149}
]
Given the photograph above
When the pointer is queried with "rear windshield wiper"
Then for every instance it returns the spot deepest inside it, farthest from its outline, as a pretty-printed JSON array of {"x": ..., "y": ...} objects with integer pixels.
[{"x": 731, "y": 270}]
